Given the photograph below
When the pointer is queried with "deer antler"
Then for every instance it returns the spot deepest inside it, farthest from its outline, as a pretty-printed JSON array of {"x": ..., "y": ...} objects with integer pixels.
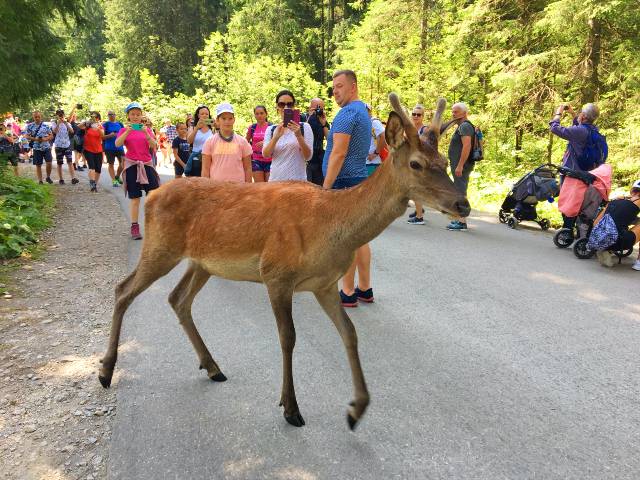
[
  {"x": 436, "y": 122},
  {"x": 409, "y": 128}
]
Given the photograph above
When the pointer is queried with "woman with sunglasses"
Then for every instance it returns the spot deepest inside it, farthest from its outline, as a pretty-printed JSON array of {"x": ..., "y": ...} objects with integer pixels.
[
  {"x": 289, "y": 146},
  {"x": 417, "y": 115},
  {"x": 198, "y": 135}
]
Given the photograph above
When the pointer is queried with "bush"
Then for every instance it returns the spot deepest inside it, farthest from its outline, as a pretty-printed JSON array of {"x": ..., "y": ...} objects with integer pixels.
[{"x": 24, "y": 212}]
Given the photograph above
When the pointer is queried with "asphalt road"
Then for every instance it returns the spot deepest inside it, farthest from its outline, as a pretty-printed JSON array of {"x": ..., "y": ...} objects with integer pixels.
[{"x": 489, "y": 354}]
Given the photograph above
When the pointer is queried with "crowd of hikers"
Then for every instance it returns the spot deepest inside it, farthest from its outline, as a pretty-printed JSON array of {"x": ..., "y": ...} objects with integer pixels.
[{"x": 290, "y": 145}]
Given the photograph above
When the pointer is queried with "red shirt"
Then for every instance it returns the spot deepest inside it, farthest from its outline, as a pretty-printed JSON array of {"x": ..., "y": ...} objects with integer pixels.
[{"x": 93, "y": 140}]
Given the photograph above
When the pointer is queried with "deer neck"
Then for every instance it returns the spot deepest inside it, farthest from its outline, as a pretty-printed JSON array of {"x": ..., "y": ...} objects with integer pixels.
[{"x": 372, "y": 206}]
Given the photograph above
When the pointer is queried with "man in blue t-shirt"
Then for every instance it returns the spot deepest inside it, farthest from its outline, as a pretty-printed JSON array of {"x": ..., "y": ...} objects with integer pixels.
[
  {"x": 111, "y": 129},
  {"x": 345, "y": 165}
]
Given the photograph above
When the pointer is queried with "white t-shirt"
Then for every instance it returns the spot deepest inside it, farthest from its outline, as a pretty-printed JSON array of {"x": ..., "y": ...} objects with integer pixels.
[
  {"x": 200, "y": 138},
  {"x": 376, "y": 128},
  {"x": 287, "y": 161}
]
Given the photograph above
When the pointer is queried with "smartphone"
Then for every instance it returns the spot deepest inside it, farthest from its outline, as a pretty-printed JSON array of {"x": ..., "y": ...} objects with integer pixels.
[
  {"x": 79, "y": 106},
  {"x": 136, "y": 126},
  {"x": 291, "y": 115},
  {"x": 208, "y": 121}
]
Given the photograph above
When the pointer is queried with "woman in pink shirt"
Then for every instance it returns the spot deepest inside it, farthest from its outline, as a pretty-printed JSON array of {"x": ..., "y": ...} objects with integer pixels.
[
  {"x": 260, "y": 165},
  {"x": 226, "y": 157},
  {"x": 139, "y": 173}
]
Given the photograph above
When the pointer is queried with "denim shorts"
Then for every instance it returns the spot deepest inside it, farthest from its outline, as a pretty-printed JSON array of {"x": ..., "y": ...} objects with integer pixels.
[
  {"x": 260, "y": 166},
  {"x": 342, "y": 183},
  {"x": 40, "y": 156}
]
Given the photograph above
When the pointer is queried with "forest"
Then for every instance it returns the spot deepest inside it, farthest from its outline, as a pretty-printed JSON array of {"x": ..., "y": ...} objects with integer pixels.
[{"x": 511, "y": 61}]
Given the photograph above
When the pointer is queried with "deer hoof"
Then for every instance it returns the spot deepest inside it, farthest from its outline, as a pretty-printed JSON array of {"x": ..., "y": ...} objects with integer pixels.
[
  {"x": 352, "y": 421},
  {"x": 296, "y": 420},
  {"x": 219, "y": 377},
  {"x": 105, "y": 381}
]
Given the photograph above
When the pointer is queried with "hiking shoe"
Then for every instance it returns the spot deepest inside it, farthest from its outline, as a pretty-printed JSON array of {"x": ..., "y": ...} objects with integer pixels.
[
  {"x": 135, "y": 231},
  {"x": 347, "y": 300},
  {"x": 636, "y": 265},
  {"x": 456, "y": 226},
  {"x": 605, "y": 258},
  {"x": 49, "y": 181},
  {"x": 61, "y": 181},
  {"x": 365, "y": 296},
  {"x": 116, "y": 183},
  {"x": 416, "y": 221},
  {"x": 74, "y": 181}
]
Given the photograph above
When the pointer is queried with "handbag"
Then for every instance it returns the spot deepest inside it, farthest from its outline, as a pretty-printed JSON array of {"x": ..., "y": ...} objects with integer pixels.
[{"x": 603, "y": 235}]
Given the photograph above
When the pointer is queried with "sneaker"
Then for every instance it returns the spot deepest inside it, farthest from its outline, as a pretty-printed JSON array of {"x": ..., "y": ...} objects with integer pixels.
[
  {"x": 605, "y": 258},
  {"x": 415, "y": 221},
  {"x": 74, "y": 181},
  {"x": 636, "y": 265},
  {"x": 61, "y": 182},
  {"x": 49, "y": 181},
  {"x": 135, "y": 233},
  {"x": 366, "y": 296},
  {"x": 116, "y": 183},
  {"x": 119, "y": 180},
  {"x": 347, "y": 300},
  {"x": 457, "y": 226},
  {"x": 40, "y": 182}
]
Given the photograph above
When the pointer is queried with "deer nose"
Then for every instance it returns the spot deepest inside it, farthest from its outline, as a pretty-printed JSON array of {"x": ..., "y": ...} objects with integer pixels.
[{"x": 463, "y": 207}]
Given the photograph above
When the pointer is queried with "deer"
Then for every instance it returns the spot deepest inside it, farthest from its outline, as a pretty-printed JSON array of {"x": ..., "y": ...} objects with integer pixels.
[{"x": 305, "y": 242}]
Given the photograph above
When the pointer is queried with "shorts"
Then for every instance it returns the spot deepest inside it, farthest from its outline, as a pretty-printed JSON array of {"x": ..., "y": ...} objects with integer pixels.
[
  {"x": 134, "y": 189},
  {"x": 12, "y": 158},
  {"x": 78, "y": 147},
  {"x": 94, "y": 160},
  {"x": 112, "y": 155},
  {"x": 342, "y": 183},
  {"x": 462, "y": 183},
  {"x": 179, "y": 169},
  {"x": 40, "y": 156},
  {"x": 62, "y": 152},
  {"x": 626, "y": 240},
  {"x": 260, "y": 166}
]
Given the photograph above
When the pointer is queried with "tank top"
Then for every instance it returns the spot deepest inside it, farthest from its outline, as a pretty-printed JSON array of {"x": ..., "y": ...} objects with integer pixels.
[
  {"x": 200, "y": 138},
  {"x": 623, "y": 212}
]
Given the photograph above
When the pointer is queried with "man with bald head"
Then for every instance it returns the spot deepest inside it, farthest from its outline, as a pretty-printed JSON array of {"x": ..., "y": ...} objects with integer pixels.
[
  {"x": 317, "y": 120},
  {"x": 40, "y": 135}
]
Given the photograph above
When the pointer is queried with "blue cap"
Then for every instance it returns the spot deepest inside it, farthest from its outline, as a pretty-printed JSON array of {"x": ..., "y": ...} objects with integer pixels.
[{"x": 131, "y": 106}]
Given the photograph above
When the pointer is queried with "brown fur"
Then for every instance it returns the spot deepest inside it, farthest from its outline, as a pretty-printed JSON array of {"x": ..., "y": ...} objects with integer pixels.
[{"x": 291, "y": 236}]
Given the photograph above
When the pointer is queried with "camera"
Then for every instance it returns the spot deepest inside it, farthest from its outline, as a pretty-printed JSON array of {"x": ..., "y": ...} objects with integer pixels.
[
  {"x": 566, "y": 107},
  {"x": 79, "y": 106},
  {"x": 318, "y": 111}
]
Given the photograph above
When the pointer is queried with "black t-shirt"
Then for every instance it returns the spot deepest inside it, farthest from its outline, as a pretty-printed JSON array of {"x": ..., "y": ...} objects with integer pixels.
[
  {"x": 623, "y": 213},
  {"x": 183, "y": 147},
  {"x": 6, "y": 146},
  {"x": 318, "y": 138}
]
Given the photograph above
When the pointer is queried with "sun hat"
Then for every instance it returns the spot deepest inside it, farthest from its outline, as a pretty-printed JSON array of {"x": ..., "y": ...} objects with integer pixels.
[{"x": 224, "y": 108}]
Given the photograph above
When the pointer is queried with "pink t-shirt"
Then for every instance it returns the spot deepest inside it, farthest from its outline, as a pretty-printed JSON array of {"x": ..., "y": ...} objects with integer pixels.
[
  {"x": 258, "y": 136},
  {"x": 137, "y": 145},
  {"x": 226, "y": 157}
]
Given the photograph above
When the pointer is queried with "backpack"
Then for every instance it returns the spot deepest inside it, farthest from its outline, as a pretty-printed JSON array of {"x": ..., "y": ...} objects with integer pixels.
[
  {"x": 253, "y": 127},
  {"x": 477, "y": 151},
  {"x": 603, "y": 235},
  {"x": 595, "y": 151},
  {"x": 384, "y": 153}
]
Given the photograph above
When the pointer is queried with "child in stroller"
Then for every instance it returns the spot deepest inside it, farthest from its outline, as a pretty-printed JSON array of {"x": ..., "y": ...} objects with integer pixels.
[{"x": 520, "y": 203}]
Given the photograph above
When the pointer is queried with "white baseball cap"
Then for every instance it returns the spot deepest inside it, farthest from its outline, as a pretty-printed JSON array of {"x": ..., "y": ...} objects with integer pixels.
[
  {"x": 636, "y": 185},
  {"x": 224, "y": 108}
]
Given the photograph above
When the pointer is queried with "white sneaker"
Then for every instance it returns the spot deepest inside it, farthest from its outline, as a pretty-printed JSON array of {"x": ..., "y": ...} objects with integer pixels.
[
  {"x": 605, "y": 258},
  {"x": 636, "y": 265}
]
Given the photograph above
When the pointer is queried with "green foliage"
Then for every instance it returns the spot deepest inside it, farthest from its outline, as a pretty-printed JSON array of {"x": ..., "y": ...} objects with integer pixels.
[{"x": 24, "y": 211}]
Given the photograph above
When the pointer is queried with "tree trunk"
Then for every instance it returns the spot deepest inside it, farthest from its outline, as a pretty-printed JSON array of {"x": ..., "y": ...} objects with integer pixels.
[
  {"x": 591, "y": 87},
  {"x": 518, "y": 148}
]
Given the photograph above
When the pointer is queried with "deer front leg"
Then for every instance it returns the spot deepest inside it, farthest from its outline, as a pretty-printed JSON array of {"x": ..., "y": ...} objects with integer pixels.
[
  {"x": 281, "y": 300},
  {"x": 329, "y": 299},
  {"x": 181, "y": 299}
]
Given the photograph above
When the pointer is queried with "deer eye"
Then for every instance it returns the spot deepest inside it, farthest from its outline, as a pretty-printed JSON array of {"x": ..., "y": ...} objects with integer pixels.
[{"x": 415, "y": 165}]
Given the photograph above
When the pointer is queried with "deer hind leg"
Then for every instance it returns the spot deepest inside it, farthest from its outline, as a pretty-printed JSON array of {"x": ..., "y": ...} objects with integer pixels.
[
  {"x": 181, "y": 299},
  {"x": 329, "y": 300},
  {"x": 281, "y": 303},
  {"x": 151, "y": 266}
]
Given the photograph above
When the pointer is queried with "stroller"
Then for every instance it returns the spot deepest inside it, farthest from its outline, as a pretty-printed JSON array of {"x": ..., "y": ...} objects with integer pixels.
[
  {"x": 582, "y": 196},
  {"x": 520, "y": 203}
]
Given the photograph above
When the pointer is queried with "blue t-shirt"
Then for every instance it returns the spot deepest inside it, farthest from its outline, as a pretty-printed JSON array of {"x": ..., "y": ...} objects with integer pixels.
[
  {"x": 109, "y": 144},
  {"x": 353, "y": 119}
]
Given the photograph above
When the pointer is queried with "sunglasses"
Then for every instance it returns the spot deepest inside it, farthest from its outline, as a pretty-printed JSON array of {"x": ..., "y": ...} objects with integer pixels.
[
  {"x": 416, "y": 114},
  {"x": 286, "y": 104}
]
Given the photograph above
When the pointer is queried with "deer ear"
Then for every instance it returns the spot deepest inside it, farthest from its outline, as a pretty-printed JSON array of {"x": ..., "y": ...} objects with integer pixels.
[{"x": 394, "y": 133}]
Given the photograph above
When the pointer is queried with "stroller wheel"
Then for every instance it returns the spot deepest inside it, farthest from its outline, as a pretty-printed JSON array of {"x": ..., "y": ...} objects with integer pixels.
[
  {"x": 512, "y": 222},
  {"x": 502, "y": 216},
  {"x": 563, "y": 238},
  {"x": 581, "y": 251},
  {"x": 624, "y": 253},
  {"x": 544, "y": 224}
]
